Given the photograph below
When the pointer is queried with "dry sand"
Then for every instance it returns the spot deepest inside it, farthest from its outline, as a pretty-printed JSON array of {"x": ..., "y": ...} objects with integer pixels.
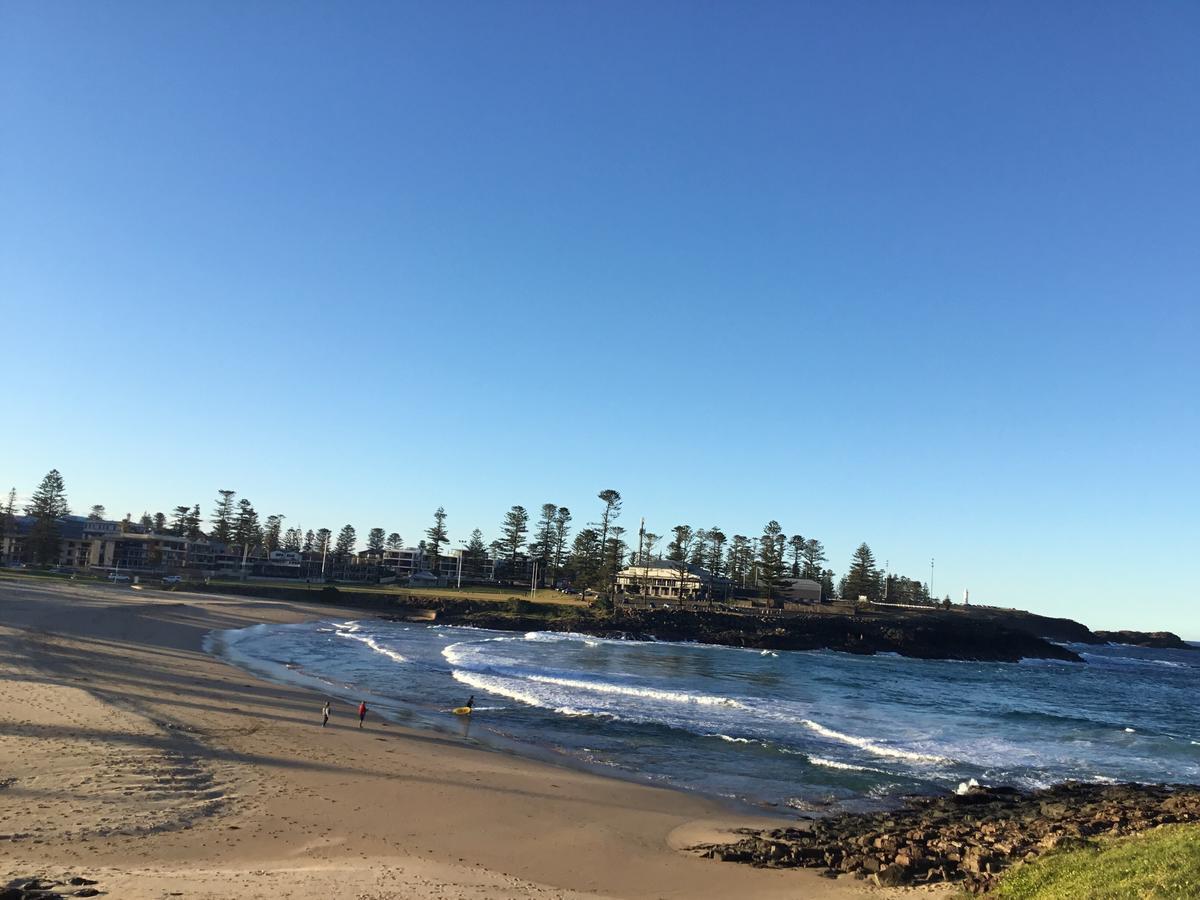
[{"x": 130, "y": 756}]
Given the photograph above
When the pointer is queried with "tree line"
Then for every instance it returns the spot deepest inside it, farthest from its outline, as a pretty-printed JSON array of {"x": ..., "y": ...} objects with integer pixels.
[{"x": 589, "y": 557}]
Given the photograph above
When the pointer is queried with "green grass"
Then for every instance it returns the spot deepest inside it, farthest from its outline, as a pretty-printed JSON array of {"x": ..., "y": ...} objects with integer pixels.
[
  {"x": 489, "y": 594},
  {"x": 1162, "y": 863},
  {"x": 42, "y": 573}
]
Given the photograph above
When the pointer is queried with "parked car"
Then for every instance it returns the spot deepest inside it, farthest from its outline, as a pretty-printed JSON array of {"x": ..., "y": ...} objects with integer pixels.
[
  {"x": 116, "y": 577},
  {"x": 172, "y": 579}
]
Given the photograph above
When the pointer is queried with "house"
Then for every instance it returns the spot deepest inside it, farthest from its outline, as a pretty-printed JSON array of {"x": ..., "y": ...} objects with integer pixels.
[{"x": 663, "y": 578}]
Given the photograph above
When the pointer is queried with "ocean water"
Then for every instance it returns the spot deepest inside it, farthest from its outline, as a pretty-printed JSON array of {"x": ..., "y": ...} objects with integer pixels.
[{"x": 813, "y": 730}]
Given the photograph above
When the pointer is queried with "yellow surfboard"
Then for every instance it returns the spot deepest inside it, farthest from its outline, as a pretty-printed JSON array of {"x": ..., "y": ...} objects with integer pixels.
[{"x": 461, "y": 710}]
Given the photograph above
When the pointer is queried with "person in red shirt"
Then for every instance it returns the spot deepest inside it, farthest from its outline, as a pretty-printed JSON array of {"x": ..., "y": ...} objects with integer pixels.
[{"x": 362, "y": 712}]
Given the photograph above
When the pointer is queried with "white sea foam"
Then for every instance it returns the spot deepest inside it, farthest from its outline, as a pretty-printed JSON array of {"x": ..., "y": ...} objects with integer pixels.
[
  {"x": 871, "y": 746},
  {"x": 736, "y": 740},
  {"x": 555, "y": 637},
  {"x": 835, "y": 764},
  {"x": 373, "y": 644},
  {"x": 608, "y": 687},
  {"x": 465, "y": 655},
  {"x": 504, "y": 688}
]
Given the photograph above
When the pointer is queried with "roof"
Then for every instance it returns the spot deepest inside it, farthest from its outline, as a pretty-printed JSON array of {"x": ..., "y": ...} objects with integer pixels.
[{"x": 659, "y": 563}]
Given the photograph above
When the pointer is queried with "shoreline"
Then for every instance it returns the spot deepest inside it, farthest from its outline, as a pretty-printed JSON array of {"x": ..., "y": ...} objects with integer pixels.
[
  {"x": 516, "y": 748},
  {"x": 150, "y": 764}
]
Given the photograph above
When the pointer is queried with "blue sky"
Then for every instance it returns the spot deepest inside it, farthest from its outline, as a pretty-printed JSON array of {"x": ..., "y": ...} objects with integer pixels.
[{"x": 924, "y": 275}]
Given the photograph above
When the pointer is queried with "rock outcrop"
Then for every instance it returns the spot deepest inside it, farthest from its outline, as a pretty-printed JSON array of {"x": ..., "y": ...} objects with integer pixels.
[
  {"x": 969, "y": 838},
  {"x": 1158, "y": 640},
  {"x": 924, "y": 637}
]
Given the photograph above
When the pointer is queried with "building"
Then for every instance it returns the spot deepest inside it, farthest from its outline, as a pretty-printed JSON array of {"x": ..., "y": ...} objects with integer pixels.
[
  {"x": 662, "y": 578},
  {"x": 77, "y": 536},
  {"x": 101, "y": 545},
  {"x": 798, "y": 590}
]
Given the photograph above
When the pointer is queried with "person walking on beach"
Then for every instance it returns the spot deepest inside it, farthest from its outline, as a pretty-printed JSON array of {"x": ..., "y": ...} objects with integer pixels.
[
  {"x": 325, "y": 714},
  {"x": 362, "y": 712}
]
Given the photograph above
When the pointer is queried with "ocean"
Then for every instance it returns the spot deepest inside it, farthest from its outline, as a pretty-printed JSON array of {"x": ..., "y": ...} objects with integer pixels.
[{"x": 814, "y": 731}]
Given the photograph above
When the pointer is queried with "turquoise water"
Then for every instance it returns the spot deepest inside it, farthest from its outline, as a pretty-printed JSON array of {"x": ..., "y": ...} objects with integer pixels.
[{"x": 811, "y": 730}]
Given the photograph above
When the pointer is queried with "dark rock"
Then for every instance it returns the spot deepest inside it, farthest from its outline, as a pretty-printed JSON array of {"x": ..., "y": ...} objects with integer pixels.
[
  {"x": 79, "y": 880},
  {"x": 85, "y": 892},
  {"x": 1159, "y": 640},
  {"x": 931, "y": 634},
  {"x": 968, "y": 839},
  {"x": 894, "y": 875}
]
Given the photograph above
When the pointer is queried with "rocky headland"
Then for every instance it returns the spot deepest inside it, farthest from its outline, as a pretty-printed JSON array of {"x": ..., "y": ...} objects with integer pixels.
[
  {"x": 1157, "y": 640},
  {"x": 977, "y": 633},
  {"x": 921, "y": 637},
  {"x": 969, "y": 838}
]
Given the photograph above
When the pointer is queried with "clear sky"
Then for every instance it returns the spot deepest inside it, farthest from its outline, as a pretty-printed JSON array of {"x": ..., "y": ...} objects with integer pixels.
[{"x": 921, "y": 274}]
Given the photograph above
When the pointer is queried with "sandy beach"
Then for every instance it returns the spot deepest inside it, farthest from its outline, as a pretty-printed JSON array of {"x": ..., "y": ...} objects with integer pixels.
[{"x": 130, "y": 756}]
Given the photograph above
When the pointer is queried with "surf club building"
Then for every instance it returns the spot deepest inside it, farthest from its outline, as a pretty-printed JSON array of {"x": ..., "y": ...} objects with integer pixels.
[{"x": 661, "y": 578}]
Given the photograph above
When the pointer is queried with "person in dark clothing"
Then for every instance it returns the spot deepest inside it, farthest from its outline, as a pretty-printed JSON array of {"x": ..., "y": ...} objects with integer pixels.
[{"x": 362, "y": 712}]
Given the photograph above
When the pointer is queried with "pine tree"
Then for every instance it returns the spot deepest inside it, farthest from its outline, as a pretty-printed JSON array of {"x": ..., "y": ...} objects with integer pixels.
[
  {"x": 222, "y": 520},
  {"x": 700, "y": 548},
  {"x": 179, "y": 517},
  {"x": 435, "y": 536},
  {"x": 612, "y": 509},
  {"x": 739, "y": 558},
  {"x": 160, "y": 523},
  {"x": 146, "y": 523},
  {"x": 192, "y": 525},
  {"x": 309, "y": 541},
  {"x": 246, "y": 531},
  {"x": 323, "y": 542},
  {"x": 828, "y": 592},
  {"x": 293, "y": 540},
  {"x": 614, "y": 553},
  {"x": 562, "y": 527},
  {"x": 345, "y": 542},
  {"x": 814, "y": 555},
  {"x": 543, "y": 543},
  {"x": 97, "y": 513},
  {"x": 796, "y": 543},
  {"x": 475, "y": 555},
  {"x": 584, "y": 556},
  {"x": 862, "y": 580},
  {"x": 770, "y": 558},
  {"x": 47, "y": 505},
  {"x": 512, "y": 534},
  {"x": 679, "y": 553},
  {"x": 376, "y": 538},
  {"x": 8, "y": 515},
  {"x": 272, "y": 539},
  {"x": 717, "y": 555},
  {"x": 394, "y": 541}
]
